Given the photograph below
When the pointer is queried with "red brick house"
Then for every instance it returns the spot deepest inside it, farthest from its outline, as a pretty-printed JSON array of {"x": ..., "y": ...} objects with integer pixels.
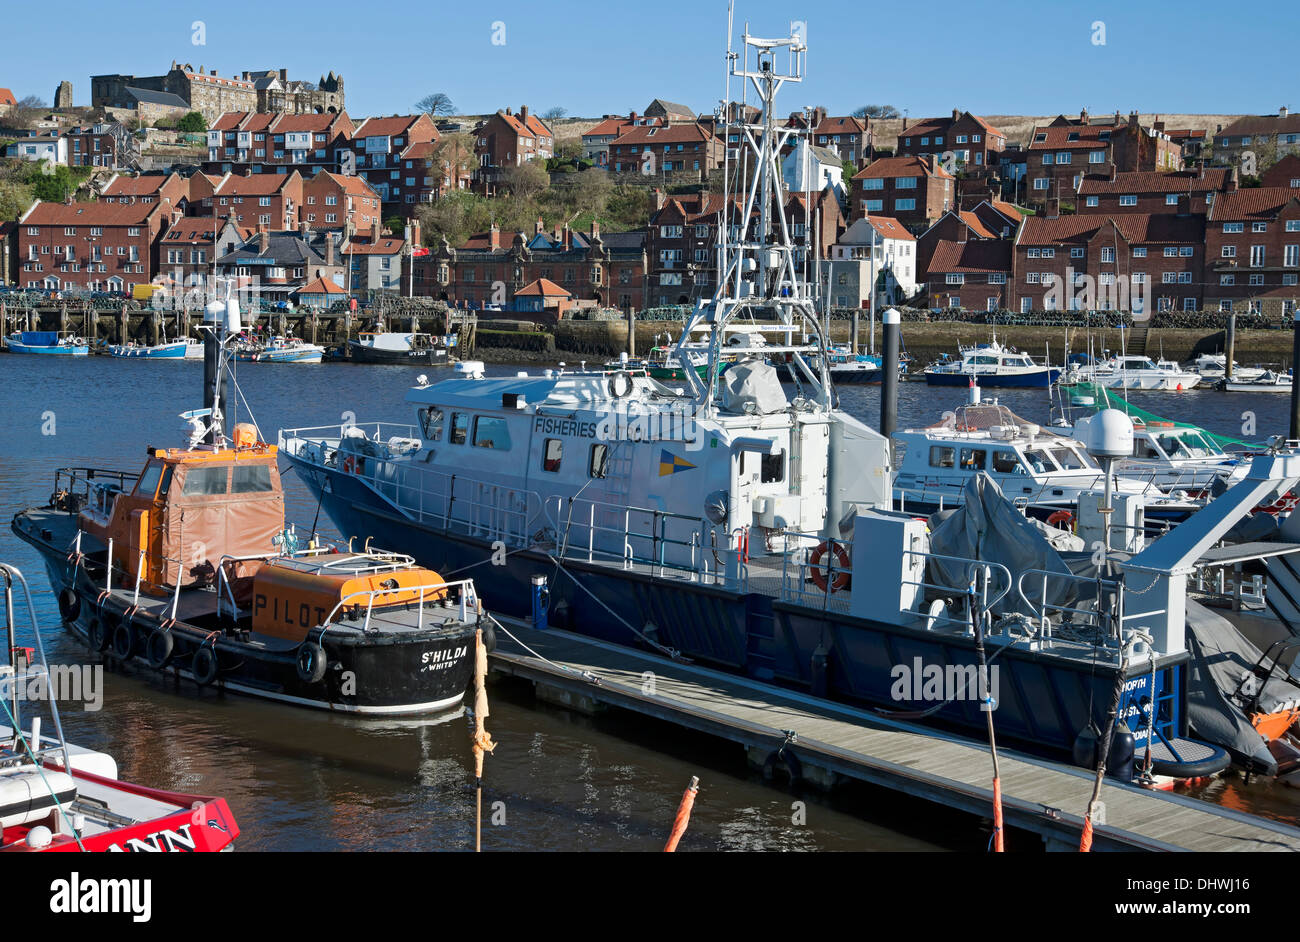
[
  {"x": 1062, "y": 153},
  {"x": 1176, "y": 191},
  {"x": 191, "y": 244},
  {"x": 986, "y": 221},
  {"x": 509, "y": 140},
  {"x": 332, "y": 200},
  {"x": 91, "y": 147},
  {"x": 1285, "y": 173},
  {"x": 89, "y": 246},
  {"x": 659, "y": 151},
  {"x": 848, "y": 136},
  {"x": 377, "y": 148},
  {"x": 916, "y": 191},
  {"x": 171, "y": 190},
  {"x": 973, "y": 142},
  {"x": 1252, "y": 251},
  {"x": 1133, "y": 261},
  {"x": 596, "y": 140},
  {"x": 259, "y": 199},
  {"x": 974, "y": 274},
  {"x": 241, "y": 140}
]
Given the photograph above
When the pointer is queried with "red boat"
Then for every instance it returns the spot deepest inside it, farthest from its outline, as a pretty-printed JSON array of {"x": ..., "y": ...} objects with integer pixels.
[{"x": 55, "y": 796}]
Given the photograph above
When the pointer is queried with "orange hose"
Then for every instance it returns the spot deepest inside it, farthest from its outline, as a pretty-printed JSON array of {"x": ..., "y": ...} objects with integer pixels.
[
  {"x": 1085, "y": 842},
  {"x": 997, "y": 815},
  {"x": 683, "y": 815}
]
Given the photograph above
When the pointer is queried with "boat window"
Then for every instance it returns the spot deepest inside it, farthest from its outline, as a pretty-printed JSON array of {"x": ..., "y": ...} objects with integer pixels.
[
  {"x": 250, "y": 479},
  {"x": 772, "y": 468},
  {"x": 942, "y": 457},
  {"x": 552, "y": 453},
  {"x": 166, "y": 482},
  {"x": 972, "y": 459},
  {"x": 599, "y": 460},
  {"x": 1040, "y": 460},
  {"x": 147, "y": 486},
  {"x": 431, "y": 423},
  {"x": 459, "y": 428},
  {"x": 205, "y": 481},
  {"x": 1005, "y": 462},
  {"x": 985, "y": 361},
  {"x": 1144, "y": 449},
  {"x": 491, "y": 432},
  {"x": 1068, "y": 459}
]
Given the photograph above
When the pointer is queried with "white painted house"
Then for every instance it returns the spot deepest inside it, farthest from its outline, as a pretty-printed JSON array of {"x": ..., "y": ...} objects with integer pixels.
[
  {"x": 811, "y": 169},
  {"x": 875, "y": 248},
  {"x": 40, "y": 149}
]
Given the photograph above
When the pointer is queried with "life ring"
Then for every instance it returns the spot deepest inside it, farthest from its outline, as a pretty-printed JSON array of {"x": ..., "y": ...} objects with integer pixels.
[
  {"x": 310, "y": 662},
  {"x": 621, "y": 390},
  {"x": 204, "y": 665},
  {"x": 1061, "y": 517},
  {"x": 842, "y": 577},
  {"x": 69, "y": 605},
  {"x": 783, "y": 758},
  {"x": 123, "y": 640},
  {"x": 158, "y": 649},
  {"x": 350, "y": 464},
  {"x": 97, "y": 635}
]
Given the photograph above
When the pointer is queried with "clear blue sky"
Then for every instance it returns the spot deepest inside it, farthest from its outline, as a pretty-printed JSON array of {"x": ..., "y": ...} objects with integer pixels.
[{"x": 1012, "y": 57}]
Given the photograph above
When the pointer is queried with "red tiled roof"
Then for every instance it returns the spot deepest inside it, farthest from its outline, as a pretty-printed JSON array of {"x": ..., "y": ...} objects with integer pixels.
[
  {"x": 1261, "y": 202},
  {"x": 1262, "y": 124},
  {"x": 928, "y": 126},
  {"x": 907, "y": 166},
  {"x": 673, "y": 134},
  {"x": 388, "y": 127},
  {"x": 543, "y": 287},
  {"x": 89, "y": 214},
  {"x": 1178, "y": 181},
  {"x": 254, "y": 184},
  {"x": 7, "y": 97},
  {"x": 382, "y": 246},
  {"x": 978, "y": 255},
  {"x": 218, "y": 80},
  {"x": 1058, "y": 136},
  {"x": 143, "y": 185},
  {"x": 890, "y": 228},
  {"x": 201, "y": 229},
  {"x": 1134, "y": 227},
  {"x": 976, "y": 225},
  {"x": 1007, "y": 209},
  {"x": 307, "y": 122},
  {"x": 321, "y": 286}
]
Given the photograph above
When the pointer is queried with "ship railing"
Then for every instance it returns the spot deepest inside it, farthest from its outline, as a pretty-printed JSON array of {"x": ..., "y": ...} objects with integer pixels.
[
  {"x": 661, "y": 540},
  {"x": 453, "y": 501},
  {"x": 96, "y": 487},
  {"x": 990, "y": 581},
  {"x": 1107, "y": 616},
  {"x": 428, "y": 593}
]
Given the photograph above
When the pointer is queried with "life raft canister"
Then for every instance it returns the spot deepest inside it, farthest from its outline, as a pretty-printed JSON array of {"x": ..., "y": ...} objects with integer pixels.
[{"x": 820, "y": 575}]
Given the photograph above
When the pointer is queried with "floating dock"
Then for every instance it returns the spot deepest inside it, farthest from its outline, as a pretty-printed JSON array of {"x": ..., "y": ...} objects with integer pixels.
[{"x": 833, "y": 741}]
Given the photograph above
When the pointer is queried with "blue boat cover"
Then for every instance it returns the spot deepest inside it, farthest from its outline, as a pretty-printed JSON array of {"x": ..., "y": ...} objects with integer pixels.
[{"x": 40, "y": 338}]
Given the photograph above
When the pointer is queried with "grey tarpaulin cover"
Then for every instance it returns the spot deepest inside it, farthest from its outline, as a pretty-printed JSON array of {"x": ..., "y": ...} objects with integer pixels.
[
  {"x": 987, "y": 526},
  {"x": 1221, "y": 655},
  {"x": 752, "y": 386}
]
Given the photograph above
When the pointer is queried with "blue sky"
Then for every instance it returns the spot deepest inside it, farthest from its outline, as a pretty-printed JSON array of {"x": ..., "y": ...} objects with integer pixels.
[{"x": 1012, "y": 57}]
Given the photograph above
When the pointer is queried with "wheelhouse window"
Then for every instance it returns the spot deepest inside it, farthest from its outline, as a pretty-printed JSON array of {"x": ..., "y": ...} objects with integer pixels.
[
  {"x": 1069, "y": 459},
  {"x": 1039, "y": 460},
  {"x": 147, "y": 485},
  {"x": 599, "y": 465},
  {"x": 1005, "y": 462},
  {"x": 552, "y": 454},
  {"x": 973, "y": 459},
  {"x": 250, "y": 479},
  {"x": 491, "y": 432},
  {"x": 459, "y": 428},
  {"x": 772, "y": 468},
  {"x": 942, "y": 456},
  {"x": 205, "y": 482},
  {"x": 431, "y": 423}
]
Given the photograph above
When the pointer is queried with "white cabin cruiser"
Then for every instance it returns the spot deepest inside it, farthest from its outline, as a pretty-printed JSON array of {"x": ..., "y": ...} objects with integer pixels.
[
  {"x": 991, "y": 365},
  {"x": 1213, "y": 366},
  {"x": 1128, "y": 371},
  {"x": 1173, "y": 457}
]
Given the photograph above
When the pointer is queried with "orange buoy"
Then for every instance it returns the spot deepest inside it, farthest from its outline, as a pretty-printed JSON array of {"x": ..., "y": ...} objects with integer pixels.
[
  {"x": 820, "y": 577},
  {"x": 1061, "y": 516}
]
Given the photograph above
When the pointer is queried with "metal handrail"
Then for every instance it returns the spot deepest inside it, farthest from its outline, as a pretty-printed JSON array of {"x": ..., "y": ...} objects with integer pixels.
[{"x": 440, "y": 588}]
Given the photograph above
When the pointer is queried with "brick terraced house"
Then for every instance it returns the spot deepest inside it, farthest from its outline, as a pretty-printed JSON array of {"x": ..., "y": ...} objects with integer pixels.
[{"x": 89, "y": 246}]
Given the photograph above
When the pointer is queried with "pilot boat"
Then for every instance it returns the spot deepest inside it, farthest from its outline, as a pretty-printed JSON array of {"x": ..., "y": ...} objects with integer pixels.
[
  {"x": 56, "y": 796},
  {"x": 741, "y": 523},
  {"x": 187, "y": 568},
  {"x": 992, "y": 366}
]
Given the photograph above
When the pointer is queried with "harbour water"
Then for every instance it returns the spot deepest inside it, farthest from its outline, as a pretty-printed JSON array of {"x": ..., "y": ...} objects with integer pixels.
[{"x": 299, "y": 780}]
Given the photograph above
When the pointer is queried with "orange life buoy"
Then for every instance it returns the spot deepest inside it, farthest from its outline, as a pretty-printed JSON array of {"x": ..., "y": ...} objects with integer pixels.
[
  {"x": 350, "y": 464},
  {"x": 819, "y": 576},
  {"x": 1061, "y": 517}
]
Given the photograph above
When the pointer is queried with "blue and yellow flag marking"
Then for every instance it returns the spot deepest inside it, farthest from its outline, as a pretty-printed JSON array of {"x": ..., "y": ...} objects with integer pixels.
[{"x": 671, "y": 464}]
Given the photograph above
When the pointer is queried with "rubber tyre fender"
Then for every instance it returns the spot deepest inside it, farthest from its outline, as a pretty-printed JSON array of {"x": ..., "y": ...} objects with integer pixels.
[
  {"x": 158, "y": 649},
  {"x": 786, "y": 758},
  {"x": 69, "y": 605},
  {"x": 490, "y": 638},
  {"x": 204, "y": 666},
  {"x": 97, "y": 634},
  {"x": 123, "y": 640},
  {"x": 310, "y": 662}
]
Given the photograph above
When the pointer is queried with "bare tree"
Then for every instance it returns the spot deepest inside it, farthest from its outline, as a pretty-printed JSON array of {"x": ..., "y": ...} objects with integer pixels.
[
  {"x": 877, "y": 111},
  {"x": 554, "y": 114},
  {"x": 27, "y": 111},
  {"x": 436, "y": 104}
]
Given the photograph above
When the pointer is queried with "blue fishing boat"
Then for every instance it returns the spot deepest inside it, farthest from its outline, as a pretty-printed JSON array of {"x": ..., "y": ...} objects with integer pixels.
[
  {"x": 992, "y": 366},
  {"x": 175, "y": 350},
  {"x": 48, "y": 342}
]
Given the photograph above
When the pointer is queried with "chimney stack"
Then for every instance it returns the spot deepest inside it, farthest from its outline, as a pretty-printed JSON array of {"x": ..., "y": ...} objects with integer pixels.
[
  {"x": 284, "y": 75},
  {"x": 539, "y": 227},
  {"x": 568, "y": 238},
  {"x": 494, "y": 237},
  {"x": 263, "y": 240},
  {"x": 1283, "y": 111},
  {"x": 595, "y": 230},
  {"x": 415, "y": 234},
  {"x": 659, "y": 199},
  {"x": 1083, "y": 116},
  {"x": 329, "y": 249},
  {"x": 955, "y": 114},
  {"x": 523, "y": 112}
]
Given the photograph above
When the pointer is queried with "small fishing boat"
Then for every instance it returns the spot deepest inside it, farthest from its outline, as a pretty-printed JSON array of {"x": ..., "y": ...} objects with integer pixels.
[
  {"x": 1266, "y": 382},
  {"x": 56, "y": 796},
  {"x": 173, "y": 350},
  {"x": 391, "y": 347},
  {"x": 280, "y": 350},
  {"x": 1127, "y": 371},
  {"x": 48, "y": 343},
  {"x": 992, "y": 366}
]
